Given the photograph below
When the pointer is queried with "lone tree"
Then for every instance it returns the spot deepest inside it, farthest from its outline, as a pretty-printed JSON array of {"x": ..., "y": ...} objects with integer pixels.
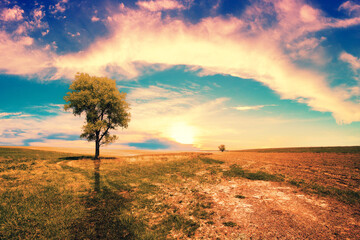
[
  {"x": 221, "y": 147},
  {"x": 105, "y": 107}
]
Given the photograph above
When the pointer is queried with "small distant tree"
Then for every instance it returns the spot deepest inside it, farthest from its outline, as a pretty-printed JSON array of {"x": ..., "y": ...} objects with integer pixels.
[
  {"x": 104, "y": 106},
  {"x": 221, "y": 147}
]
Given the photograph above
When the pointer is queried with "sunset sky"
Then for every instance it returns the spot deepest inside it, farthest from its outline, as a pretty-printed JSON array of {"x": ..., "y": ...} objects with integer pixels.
[{"x": 246, "y": 73}]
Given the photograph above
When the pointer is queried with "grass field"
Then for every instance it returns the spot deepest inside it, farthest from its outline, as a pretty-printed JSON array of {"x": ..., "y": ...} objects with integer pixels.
[{"x": 54, "y": 195}]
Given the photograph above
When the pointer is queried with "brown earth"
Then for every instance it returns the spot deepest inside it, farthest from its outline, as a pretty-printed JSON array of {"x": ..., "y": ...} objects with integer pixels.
[
  {"x": 341, "y": 170},
  {"x": 268, "y": 210}
]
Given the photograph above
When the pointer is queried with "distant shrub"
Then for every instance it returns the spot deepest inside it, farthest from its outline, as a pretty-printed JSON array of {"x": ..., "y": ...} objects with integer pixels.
[{"x": 221, "y": 147}]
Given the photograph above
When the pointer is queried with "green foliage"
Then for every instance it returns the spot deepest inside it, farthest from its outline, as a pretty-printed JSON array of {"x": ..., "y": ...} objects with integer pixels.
[{"x": 104, "y": 106}]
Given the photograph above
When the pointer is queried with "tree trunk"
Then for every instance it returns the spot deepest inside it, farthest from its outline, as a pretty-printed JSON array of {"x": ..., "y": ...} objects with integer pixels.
[{"x": 97, "y": 148}]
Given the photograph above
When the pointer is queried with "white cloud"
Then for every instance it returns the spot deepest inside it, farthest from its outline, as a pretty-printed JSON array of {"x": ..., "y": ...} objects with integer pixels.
[
  {"x": 256, "y": 107},
  {"x": 13, "y": 114},
  {"x": 352, "y": 60},
  {"x": 159, "y": 5},
  {"x": 143, "y": 38},
  {"x": 247, "y": 46},
  {"x": 12, "y": 14},
  {"x": 21, "y": 57}
]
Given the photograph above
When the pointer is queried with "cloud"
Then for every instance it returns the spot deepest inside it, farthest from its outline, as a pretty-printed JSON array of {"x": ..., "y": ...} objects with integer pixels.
[
  {"x": 350, "y": 7},
  {"x": 152, "y": 119},
  {"x": 38, "y": 15},
  {"x": 59, "y": 7},
  {"x": 12, "y": 14},
  {"x": 159, "y": 5},
  {"x": 13, "y": 115},
  {"x": 143, "y": 38},
  {"x": 152, "y": 122},
  {"x": 256, "y": 107},
  {"x": 95, "y": 19},
  {"x": 352, "y": 60},
  {"x": 156, "y": 115},
  {"x": 162, "y": 144},
  {"x": 74, "y": 34},
  {"x": 248, "y": 46},
  {"x": 19, "y": 56},
  {"x": 33, "y": 128}
]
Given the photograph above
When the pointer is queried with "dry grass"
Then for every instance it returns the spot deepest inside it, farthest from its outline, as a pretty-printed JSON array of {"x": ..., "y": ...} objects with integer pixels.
[{"x": 176, "y": 196}]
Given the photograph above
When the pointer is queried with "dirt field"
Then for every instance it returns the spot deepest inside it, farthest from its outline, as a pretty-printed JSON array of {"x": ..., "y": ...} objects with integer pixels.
[
  {"x": 340, "y": 170},
  {"x": 174, "y": 195},
  {"x": 277, "y": 210}
]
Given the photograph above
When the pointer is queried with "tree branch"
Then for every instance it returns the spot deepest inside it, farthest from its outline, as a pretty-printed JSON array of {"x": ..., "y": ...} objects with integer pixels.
[
  {"x": 106, "y": 131},
  {"x": 102, "y": 114}
]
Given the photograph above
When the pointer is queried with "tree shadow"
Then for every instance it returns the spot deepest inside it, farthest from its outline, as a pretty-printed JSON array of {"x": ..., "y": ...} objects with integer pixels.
[{"x": 107, "y": 215}]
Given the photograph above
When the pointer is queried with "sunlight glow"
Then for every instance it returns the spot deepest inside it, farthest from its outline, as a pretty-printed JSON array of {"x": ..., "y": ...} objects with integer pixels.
[{"x": 182, "y": 133}]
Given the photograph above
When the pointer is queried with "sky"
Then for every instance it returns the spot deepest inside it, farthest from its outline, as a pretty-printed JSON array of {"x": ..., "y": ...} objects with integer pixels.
[{"x": 197, "y": 73}]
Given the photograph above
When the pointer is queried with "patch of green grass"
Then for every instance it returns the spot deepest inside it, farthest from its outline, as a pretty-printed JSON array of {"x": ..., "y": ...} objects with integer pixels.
[
  {"x": 229, "y": 224},
  {"x": 298, "y": 183},
  {"x": 210, "y": 160},
  {"x": 237, "y": 171},
  {"x": 43, "y": 214},
  {"x": 260, "y": 175},
  {"x": 346, "y": 196},
  {"x": 178, "y": 222}
]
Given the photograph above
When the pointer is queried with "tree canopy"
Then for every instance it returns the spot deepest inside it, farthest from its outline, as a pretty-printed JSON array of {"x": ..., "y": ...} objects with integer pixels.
[{"x": 104, "y": 105}]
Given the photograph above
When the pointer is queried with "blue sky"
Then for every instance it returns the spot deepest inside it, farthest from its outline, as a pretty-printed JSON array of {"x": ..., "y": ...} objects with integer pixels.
[{"x": 247, "y": 74}]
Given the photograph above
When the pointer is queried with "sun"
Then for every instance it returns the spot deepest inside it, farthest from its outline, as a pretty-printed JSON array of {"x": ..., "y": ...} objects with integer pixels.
[{"x": 182, "y": 133}]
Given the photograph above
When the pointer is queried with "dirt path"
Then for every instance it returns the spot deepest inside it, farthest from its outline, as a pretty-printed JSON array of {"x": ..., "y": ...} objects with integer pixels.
[
  {"x": 272, "y": 210},
  {"x": 269, "y": 210}
]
